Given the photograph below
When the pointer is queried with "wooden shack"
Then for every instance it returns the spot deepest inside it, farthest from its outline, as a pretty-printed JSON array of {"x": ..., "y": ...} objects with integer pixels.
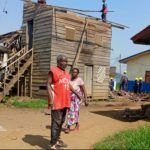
[
  {"x": 86, "y": 41},
  {"x": 48, "y": 31}
]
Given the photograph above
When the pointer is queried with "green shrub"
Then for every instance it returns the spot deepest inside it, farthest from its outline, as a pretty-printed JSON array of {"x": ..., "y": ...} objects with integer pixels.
[
  {"x": 5, "y": 99},
  {"x": 26, "y": 102},
  {"x": 41, "y": 103}
]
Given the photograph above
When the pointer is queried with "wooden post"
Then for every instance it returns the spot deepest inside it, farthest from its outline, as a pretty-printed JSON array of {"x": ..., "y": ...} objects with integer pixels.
[
  {"x": 25, "y": 85},
  {"x": 4, "y": 82},
  {"x": 31, "y": 71},
  {"x": 18, "y": 80},
  {"x": 80, "y": 45}
]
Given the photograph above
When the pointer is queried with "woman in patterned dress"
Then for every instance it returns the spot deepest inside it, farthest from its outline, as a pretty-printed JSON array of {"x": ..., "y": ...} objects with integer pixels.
[{"x": 73, "y": 112}]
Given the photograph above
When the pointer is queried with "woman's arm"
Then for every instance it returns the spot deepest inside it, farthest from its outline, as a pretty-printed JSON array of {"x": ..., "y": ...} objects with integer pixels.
[
  {"x": 85, "y": 94},
  {"x": 76, "y": 93}
]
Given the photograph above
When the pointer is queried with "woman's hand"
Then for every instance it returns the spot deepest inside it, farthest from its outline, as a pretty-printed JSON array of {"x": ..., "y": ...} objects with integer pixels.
[
  {"x": 86, "y": 102},
  {"x": 81, "y": 98}
]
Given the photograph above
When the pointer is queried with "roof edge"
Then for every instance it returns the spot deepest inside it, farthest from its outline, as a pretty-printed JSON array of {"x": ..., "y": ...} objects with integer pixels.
[{"x": 125, "y": 60}]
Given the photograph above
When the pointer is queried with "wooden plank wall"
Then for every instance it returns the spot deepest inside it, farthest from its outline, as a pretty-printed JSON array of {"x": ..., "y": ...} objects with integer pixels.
[
  {"x": 92, "y": 55},
  {"x": 42, "y": 24}
]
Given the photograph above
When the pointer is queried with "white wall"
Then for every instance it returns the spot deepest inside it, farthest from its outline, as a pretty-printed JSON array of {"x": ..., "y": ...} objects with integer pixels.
[{"x": 138, "y": 66}]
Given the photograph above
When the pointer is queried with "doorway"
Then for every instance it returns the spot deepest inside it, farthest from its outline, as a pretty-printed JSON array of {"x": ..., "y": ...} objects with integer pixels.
[
  {"x": 147, "y": 77},
  {"x": 30, "y": 34},
  {"x": 88, "y": 78}
]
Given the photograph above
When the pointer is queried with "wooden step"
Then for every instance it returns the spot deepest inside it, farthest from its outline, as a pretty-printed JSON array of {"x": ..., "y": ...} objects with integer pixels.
[{"x": 9, "y": 83}]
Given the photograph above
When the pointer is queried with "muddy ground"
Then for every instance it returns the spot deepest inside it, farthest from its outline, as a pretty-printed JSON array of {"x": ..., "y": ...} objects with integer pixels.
[{"x": 30, "y": 128}]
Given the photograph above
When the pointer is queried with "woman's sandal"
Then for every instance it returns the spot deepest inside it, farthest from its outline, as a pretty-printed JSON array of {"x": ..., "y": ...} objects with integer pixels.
[
  {"x": 76, "y": 128},
  {"x": 67, "y": 131}
]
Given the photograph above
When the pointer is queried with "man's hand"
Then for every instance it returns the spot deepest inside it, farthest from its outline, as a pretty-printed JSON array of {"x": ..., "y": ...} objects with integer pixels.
[{"x": 51, "y": 106}]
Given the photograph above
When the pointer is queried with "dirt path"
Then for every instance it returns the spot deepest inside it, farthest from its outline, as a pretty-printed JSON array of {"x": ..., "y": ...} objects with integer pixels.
[{"x": 30, "y": 128}]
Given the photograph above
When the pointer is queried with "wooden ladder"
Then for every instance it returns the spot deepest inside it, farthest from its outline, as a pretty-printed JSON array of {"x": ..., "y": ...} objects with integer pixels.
[{"x": 16, "y": 67}]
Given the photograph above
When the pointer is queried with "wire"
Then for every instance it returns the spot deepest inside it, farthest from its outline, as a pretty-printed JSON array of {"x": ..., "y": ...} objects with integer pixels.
[
  {"x": 74, "y": 8},
  {"x": 78, "y": 11},
  {"x": 3, "y": 7}
]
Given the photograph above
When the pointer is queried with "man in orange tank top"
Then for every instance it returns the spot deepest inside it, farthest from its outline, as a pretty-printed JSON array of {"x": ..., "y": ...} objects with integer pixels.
[{"x": 59, "y": 98}]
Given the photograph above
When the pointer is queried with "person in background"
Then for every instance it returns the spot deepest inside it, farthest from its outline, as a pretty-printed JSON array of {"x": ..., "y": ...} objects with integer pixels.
[
  {"x": 59, "y": 88},
  {"x": 104, "y": 11},
  {"x": 136, "y": 85},
  {"x": 111, "y": 84},
  {"x": 1, "y": 71},
  {"x": 140, "y": 85},
  {"x": 124, "y": 81},
  {"x": 73, "y": 112}
]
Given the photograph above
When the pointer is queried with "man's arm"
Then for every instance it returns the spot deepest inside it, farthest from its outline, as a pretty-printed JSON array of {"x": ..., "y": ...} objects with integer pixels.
[{"x": 50, "y": 89}]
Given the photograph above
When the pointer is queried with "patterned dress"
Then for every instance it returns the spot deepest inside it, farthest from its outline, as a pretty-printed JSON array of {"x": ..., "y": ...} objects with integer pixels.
[{"x": 73, "y": 111}]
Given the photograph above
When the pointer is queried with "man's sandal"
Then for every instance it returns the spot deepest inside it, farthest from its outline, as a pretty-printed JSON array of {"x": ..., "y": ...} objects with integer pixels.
[
  {"x": 55, "y": 147},
  {"x": 60, "y": 143}
]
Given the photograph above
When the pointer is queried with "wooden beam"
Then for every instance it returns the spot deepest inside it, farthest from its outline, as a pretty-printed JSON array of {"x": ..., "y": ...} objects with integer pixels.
[{"x": 80, "y": 45}]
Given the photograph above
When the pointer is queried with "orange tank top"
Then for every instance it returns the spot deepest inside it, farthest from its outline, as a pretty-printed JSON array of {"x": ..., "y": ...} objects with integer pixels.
[{"x": 61, "y": 82}]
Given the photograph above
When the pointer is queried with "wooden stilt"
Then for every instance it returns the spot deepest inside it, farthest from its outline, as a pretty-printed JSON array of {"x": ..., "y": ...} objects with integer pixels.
[{"x": 18, "y": 80}]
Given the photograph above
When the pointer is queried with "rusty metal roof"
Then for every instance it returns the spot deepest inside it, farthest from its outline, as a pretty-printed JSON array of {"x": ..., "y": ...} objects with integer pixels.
[
  {"x": 3, "y": 49},
  {"x": 9, "y": 35},
  {"x": 142, "y": 37}
]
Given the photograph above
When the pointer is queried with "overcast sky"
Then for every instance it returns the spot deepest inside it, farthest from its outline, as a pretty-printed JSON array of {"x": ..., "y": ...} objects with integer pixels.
[{"x": 132, "y": 13}]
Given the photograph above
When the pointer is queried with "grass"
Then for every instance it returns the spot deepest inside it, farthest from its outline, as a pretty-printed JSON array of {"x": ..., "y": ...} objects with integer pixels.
[
  {"x": 130, "y": 139},
  {"x": 27, "y": 103}
]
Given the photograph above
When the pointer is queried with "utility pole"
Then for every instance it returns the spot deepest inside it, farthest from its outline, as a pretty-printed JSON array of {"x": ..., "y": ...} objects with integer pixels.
[{"x": 120, "y": 64}]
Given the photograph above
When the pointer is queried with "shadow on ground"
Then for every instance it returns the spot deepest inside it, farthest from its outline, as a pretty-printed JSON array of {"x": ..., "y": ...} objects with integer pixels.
[
  {"x": 37, "y": 140},
  {"x": 122, "y": 115}
]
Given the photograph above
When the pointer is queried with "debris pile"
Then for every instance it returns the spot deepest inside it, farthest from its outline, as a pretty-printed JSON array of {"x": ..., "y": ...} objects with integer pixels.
[
  {"x": 122, "y": 95},
  {"x": 142, "y": 113}
]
